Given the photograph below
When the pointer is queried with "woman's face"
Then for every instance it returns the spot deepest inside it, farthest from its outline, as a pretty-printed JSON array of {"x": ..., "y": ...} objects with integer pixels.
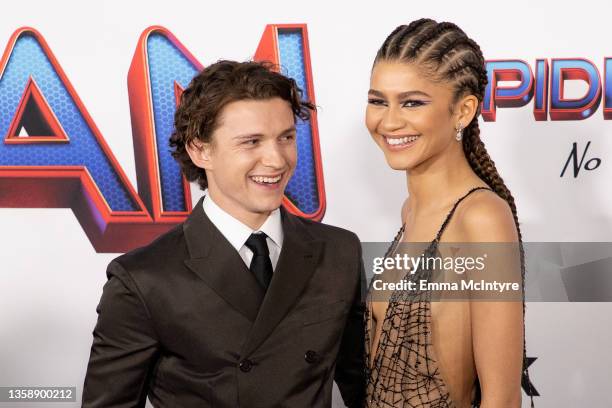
[{"x": 408, "y": 115}]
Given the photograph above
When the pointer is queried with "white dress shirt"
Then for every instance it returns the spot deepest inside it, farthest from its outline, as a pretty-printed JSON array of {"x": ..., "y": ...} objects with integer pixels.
[{"x": 237, "y": 233}]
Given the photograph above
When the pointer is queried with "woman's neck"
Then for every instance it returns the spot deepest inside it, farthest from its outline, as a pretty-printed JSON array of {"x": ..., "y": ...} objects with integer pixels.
[{"x": 440, "y": 180}]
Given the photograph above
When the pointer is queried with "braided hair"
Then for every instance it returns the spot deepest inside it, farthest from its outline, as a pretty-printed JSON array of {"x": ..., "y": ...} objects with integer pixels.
[{"x": 447, "y": 54}]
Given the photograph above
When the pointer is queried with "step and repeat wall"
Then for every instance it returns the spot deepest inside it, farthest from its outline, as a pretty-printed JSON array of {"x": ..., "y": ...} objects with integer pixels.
[{"x": 87, "y": 96}]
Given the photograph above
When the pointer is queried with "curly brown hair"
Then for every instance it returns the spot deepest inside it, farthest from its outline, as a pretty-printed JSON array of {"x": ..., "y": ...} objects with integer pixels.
[{"x": 212, "y": 89}]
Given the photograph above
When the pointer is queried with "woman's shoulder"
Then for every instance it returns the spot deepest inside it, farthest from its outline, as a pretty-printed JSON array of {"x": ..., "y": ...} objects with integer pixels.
[{"x": 484, "y": 216}]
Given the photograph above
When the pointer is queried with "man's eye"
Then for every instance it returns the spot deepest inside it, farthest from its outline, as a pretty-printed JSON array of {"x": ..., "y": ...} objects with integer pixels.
[
  {"x": 373, "y": 101},
  {"x": 288, "y": 137},
  {"x": 251, "y": 142}
]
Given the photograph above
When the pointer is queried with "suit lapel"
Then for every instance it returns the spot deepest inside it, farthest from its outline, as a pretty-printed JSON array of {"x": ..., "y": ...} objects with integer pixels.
[
  {"x": 217, "y": 263},
  {"x": 297, "y": 262}
]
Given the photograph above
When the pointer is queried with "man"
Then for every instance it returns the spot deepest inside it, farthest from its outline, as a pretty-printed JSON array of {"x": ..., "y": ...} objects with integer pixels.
[{"x": 243, "y": 305}]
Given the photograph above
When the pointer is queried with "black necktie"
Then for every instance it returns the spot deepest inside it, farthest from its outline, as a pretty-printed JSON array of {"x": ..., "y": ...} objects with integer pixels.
[{"x": 261, "y": 266}]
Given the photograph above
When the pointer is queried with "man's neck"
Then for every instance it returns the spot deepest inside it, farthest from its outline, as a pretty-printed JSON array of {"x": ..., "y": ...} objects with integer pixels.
[{"x": 251, "y": 219}]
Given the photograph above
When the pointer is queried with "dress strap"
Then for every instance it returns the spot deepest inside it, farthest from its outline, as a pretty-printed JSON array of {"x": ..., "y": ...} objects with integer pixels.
[
  {"x": 452, "y": 211},
  {"x": 396, "y": 241}
]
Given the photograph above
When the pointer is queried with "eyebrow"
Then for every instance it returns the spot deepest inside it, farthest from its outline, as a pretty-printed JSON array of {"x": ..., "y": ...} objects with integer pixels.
[
  {"x": 402, "y": 95},
  {"x": 249, "y": 135}
]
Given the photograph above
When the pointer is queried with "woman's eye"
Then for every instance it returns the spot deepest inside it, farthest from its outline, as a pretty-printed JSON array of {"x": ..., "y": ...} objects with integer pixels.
[
  {"x": 376, "y": 101},
  {"x": 412, "y": 103}
]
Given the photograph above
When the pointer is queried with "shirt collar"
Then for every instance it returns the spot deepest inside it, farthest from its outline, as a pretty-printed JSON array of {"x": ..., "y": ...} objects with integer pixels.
[{"x": 235, "y": 231}]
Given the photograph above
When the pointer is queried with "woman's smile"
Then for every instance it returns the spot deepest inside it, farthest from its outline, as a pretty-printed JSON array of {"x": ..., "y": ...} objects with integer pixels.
[{"x": 399, "y": 142}]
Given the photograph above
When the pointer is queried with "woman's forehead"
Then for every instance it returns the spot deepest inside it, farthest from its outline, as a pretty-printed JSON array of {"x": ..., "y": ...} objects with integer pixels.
[{"x": 395, "y": 77}]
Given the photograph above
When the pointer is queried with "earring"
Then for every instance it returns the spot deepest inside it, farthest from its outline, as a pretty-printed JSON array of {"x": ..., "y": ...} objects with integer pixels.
[{"x": 459, "y": 134}]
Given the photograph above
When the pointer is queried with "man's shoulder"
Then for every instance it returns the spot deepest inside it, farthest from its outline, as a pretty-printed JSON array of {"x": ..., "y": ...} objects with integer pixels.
[
  {"x": 167, "y": 249},
  {"x": 322, "y": 231}
]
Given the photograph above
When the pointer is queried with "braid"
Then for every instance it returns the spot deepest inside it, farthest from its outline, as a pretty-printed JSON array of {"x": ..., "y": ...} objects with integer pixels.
[
  {"x": 484, "y": 167},
  {"x": 454, "y": 57},
  {"x": 392, "y": 41},
  {"x": 435, "y": 33},
  {"x": 475, "y": 68},
  {"x": 396, "y": 40},
  {"x": 443, "y": 52}
]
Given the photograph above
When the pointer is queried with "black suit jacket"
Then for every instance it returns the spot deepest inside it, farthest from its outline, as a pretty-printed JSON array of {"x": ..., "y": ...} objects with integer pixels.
[{"x": 184, "y": 321}]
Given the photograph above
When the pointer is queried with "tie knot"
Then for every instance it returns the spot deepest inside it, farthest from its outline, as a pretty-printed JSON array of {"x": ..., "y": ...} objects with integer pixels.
[{"x": 257, "y": 243}]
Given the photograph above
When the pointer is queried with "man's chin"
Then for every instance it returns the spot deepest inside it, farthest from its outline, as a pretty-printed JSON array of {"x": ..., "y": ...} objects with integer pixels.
[{"x": 265, "y": 205}]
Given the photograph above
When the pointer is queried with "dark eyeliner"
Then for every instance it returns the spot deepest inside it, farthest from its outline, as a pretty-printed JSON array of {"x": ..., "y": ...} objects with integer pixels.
[
  {"x": 375, "y": 101},
  {"x": 415, "y": 103}
]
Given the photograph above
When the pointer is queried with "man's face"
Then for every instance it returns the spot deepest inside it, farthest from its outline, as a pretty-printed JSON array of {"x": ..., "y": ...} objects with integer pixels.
[{"x": 251, "y": 158}]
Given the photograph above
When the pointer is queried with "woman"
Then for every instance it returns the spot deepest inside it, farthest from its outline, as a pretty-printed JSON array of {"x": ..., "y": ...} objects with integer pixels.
[{"x": 427, "y": 83}]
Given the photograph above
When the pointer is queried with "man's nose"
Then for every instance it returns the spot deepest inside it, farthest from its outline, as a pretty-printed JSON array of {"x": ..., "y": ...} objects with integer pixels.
[{"x": 272, "y": 156}]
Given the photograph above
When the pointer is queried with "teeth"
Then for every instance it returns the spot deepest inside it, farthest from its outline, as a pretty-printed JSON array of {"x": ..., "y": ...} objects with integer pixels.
[
  {"x": 401, "y": 140},
  {"x": 268, "y": 180}
]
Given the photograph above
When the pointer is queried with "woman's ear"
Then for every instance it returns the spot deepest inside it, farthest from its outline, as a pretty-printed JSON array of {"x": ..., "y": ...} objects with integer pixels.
[
  {"x": 466, "y": 109},
  {"x": 200, "y": 153}
]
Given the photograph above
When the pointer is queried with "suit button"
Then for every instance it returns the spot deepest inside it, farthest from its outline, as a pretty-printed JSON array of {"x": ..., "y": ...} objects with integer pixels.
[
  {"x": 245, "y": 365},
  {"x": 311, "y": 356}
]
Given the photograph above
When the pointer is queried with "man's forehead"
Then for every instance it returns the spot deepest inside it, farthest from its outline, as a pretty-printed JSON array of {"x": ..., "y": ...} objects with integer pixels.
[{"x": 257, "y": 116}]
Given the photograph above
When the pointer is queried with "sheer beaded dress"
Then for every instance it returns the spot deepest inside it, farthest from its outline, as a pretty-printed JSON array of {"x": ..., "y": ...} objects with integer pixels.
[{"x": 404, "y": 372}]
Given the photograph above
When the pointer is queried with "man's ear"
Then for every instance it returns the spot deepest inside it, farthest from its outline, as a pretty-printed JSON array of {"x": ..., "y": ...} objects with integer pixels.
[
  {"x": 466, "y": 109},
  {"x": 200, "y": 153}
]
